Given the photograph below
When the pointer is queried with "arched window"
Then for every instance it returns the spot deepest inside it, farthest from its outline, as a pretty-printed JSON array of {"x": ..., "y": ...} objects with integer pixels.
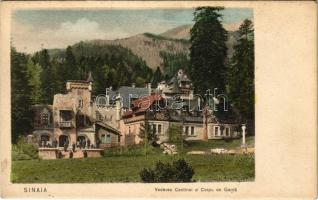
[{"x": 45, "y": 138}]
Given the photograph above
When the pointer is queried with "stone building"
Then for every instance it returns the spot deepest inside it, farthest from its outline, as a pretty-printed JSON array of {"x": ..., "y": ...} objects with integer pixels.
[
  {"x": 72, "y": 119},
  {"x": 116, "y": 118},
  {"x": 218, "y": 128},
  {"x": 43, "y": 127},
  {"x": 179, "y": 85},
  {"x": 171, "y": 103}
]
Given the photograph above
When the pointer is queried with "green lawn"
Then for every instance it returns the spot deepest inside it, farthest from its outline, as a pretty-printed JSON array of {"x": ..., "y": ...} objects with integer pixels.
[
  {"x": 124, "y": 165},
  {"x": 127, "y": 168}
]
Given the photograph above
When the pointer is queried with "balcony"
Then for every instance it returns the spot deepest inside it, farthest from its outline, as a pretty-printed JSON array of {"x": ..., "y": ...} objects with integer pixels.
[
  {"x": 66, "y": 117},
  {"x": 65, "y": 124}
]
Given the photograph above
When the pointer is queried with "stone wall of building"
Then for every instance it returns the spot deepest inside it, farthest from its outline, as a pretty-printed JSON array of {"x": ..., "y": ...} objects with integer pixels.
[
  {"x": 76, "y": 102},
  {"x": 47, "y": 153},
  {"x": 220, "y": 131}
]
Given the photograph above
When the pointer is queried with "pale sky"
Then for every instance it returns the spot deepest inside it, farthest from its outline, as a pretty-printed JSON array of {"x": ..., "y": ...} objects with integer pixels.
[{"x": 32, "y": 29}]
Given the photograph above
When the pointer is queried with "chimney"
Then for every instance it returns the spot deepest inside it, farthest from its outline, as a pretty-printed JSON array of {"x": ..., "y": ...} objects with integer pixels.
[
  {"x": 149, "y": 88},
  {"x": 107, "y": 96},
  {"x": 118, "y": 107}
]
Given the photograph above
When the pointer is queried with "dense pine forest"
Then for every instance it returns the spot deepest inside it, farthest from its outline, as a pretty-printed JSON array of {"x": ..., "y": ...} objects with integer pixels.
[{"x": 35, "y": 78}]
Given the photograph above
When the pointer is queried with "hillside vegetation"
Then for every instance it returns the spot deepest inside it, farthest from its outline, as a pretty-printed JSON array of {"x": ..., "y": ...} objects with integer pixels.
[{"x": 148, "y": 46}]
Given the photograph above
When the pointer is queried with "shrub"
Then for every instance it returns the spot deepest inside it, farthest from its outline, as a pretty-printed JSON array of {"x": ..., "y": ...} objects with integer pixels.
[
  {"x": 175, "y": 134},
  {"x": 178, "y": 171},
  {"x": 23, "y": 151}
]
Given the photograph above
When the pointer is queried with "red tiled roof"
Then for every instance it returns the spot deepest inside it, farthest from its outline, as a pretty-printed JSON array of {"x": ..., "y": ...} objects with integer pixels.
[{"x": 142, "y": 104}]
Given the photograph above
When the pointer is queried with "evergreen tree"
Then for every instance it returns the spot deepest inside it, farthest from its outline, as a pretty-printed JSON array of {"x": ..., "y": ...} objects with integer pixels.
[
  {"x": 175, "y": 135},
  {"x": 43, "y": 58},
  {"x": 241, "y": 71},
  {"x": 172, "y": 62},
  {"x": 72, "y": 71},
  {"x": 208, "y": 50},
  {"x": 147, "y": 135},
  {"x": 140, "y": 82},
  {"x": 20, "y": 97},
  {"x": 157, "y": 77},
  {"x": 34, "y": 82},
  {"x": 102, "y": 79},
  {"x": 47, "y": 77},
  {"x": 60, "y": 77}
]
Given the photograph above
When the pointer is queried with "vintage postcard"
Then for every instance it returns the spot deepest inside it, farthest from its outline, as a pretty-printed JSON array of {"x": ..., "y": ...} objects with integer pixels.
[{"x": 159, "y": 99}]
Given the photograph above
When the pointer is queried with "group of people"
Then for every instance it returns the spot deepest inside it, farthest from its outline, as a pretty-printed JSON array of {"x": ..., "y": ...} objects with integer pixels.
[
  {"x": 47, "y": 144},
  {"x": 81, "y": 144}
]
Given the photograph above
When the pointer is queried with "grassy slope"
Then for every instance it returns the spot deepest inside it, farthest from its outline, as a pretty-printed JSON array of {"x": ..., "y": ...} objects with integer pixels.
[{"x": 126, "y": 169}]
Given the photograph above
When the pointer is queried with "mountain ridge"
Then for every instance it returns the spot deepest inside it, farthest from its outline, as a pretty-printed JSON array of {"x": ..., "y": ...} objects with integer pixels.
[{"x": 149, "y": 46}]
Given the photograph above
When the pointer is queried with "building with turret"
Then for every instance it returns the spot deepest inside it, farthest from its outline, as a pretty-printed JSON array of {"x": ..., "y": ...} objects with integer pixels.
[
  {"x": 73, "y": 119},
  {"x": 76, "y": 120}
]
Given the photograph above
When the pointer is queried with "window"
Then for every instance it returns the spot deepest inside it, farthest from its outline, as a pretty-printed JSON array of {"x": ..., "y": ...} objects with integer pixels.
[
  {"x": 98, "y": 116},
  {"x": 192, "y": 130},
  {"x": 149, "y": 127},
  {"x": 45, "y": 119},
  {"x": 108, "y": 138},
  {"x": 103, "y": 138},
  {"x": 227, "y": 131},
  {"x": 154, "y": 128},
  {"x": 81, "y": 120},
  {"x": 216, "y": 131},
  {"x": 66, "y": 115},
  {"x": 187, "y": 130},
  {"x": 159, "y": 128},
  {"x": 45, "y": 138},
  {"x": 80, "y": 103},
  {"x": 66, "y": 118}
]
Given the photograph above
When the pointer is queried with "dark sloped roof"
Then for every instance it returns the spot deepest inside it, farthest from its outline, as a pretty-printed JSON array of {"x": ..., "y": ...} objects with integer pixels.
[
  {"x": 106, "y": 126},
  {"x": 136, "y": 92},
  {"x": 172, "y": 80},
  {"x": 193, "y": 119},
  {"x": 184, "y": 78}
]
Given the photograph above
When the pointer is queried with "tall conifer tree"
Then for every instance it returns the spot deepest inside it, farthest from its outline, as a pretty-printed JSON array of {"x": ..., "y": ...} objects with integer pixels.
[
  {"x": 20, "y": 97},
  {"x": 208, "y": 50},
  {"x": 47, "y": 76},
  {"x": 241, "y": 71},
  {"x": 157, "y": 77},
  {"x": 34, "y": 81},
  {"x": 70, "y": 65}
]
